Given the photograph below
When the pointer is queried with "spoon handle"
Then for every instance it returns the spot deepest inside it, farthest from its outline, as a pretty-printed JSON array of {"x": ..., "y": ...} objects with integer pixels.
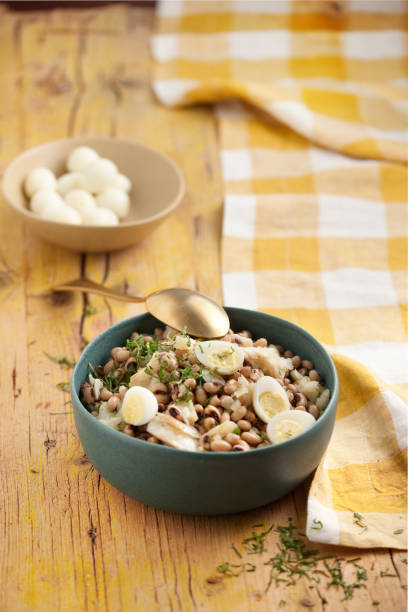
[{"x": 87, "y": 286}]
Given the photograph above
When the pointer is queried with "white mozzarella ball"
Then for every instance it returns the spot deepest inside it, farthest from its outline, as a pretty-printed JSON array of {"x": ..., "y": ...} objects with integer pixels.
[
  {"x": 99, "y": 175},
  {"x": 100, "y": 216},
  {"x": 116, "y": 200},
  {"x": 45, "y": 198},
  {"x": 122, "y": 182},
  {"x": 39, "y": 178},
  {"x": 61, "y": 214},
  {"x": 68, "y": 182},
  {"x": 81, "y": 200},
  {"x": 80, "y": 158}
]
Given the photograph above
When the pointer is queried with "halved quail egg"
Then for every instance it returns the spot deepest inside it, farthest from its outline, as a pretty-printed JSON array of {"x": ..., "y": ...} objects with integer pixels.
[
  {"x": 139, "y": 406},
  {"x": 269, "y": 398},
  {"x": 224, "y": 357},
  {"x": 288, "y": 424}
]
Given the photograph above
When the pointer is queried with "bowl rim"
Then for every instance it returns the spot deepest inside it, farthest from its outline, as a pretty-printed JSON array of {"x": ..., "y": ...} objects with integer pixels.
[
  {"x": 199, "y": 455},
  {"x": 25, "y": 212}
]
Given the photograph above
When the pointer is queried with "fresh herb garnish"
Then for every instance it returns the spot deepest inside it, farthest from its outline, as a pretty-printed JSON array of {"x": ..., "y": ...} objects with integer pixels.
[
  {"x": 358, "y": 520},
  {"x": 62, "y": 361},
  {"x": 236, "y": 431},
  {"x": 184, "y": 397},
  {"x": 32, "y": 342},
  {"x": 34, "y": 471},
  {"x": 398, "y": 531},
  {"x": 64, "y": 386},
  {"x": 386, "y": 573},
  {"x": 317, "y": 524},
  {"x": 255, "y": 544},
  {"x": 238, "y": 569},
  {"x": 90, "y": 310},
  {"x": 236, "y": 551}
]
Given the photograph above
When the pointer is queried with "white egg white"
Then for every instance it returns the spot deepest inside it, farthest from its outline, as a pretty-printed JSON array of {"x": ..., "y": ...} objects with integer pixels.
[
  {"x": 221, "y": 356},
  {"x": 288, "y": 424},
  {"x": 269, "y": 398}
]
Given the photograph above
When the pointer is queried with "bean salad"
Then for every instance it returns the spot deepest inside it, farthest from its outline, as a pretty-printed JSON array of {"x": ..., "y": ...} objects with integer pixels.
[{"x": 227, "y": 395}]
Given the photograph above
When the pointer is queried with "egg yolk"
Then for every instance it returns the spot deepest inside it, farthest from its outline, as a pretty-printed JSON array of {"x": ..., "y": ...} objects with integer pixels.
[
  {"x": 227, "y": 359},
  {"x": 286, "y": 429},
  {"x": 272, "y": 403}
]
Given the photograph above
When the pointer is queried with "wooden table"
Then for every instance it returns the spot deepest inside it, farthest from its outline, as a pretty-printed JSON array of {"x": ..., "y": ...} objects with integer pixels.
[{"x": 69, "y": 541}]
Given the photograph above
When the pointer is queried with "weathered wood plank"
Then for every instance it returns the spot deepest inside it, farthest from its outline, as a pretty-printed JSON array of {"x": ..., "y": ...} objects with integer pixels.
[{"x": 69, "y": 540}]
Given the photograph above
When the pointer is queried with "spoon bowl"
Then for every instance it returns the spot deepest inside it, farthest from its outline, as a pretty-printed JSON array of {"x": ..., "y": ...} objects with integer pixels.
[{"x": 182, "y": 309}]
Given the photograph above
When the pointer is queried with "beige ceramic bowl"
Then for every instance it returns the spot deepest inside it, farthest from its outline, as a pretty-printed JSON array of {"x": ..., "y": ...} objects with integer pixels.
[{"x": 157, "y": 189}]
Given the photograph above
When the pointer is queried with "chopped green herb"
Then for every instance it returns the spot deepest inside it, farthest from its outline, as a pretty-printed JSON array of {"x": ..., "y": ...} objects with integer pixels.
[
  {"x": 386, "y": 573},
  {"x": 201, "y": 348},
  {"x": 255, "y": 544},
  {"x": 34, "y": 471},
  {"x": 398, "y": 531},
  {"x": 317, "y": 524},
  {"x": 63, "y": 361},
  {"x": 358, "y": 520},
  {"x": 32, "y": 342},
  {"x": 54, "y": 413},
  {"x": 184, "y": 397},
  {"x": 231, "y": 569},
  {"x": 64, "y": 386},
  {"x": 90, "y": 310},
  {"x": 236, "y": 551},
  {"x": 375, "y": 603},
  {"x": 236, "y": 431}
]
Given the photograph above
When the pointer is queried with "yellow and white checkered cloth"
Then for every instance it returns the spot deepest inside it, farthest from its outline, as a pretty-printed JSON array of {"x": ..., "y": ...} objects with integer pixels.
[{"x": 313, "y": 118}]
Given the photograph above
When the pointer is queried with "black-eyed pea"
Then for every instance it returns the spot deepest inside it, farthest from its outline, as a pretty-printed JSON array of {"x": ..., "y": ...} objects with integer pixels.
[
  {"x": 105, "y": 394},
  {"x": 313, "y": 375},
  {"x": 290, "y": 396},
  {"x": 251, "y": 438},
  {"x": 299, "y": 398},
  {"x": 158, "y": 387},
  {"x": 250, "y": 416},
  {"x": 244, "y": 425},
  {"x": 226, "y": 401},
  {"x": 153, "y": 440},
  {"x": 263, "y": 444},
  {"x": 230, "y": 386},
  {"x": 245, "y": 399},
  {"x": 208, "y": 423},
  {"x": 235, "y": 375},
  {"x": 280, "y": 349},
  {"x": 256, "y": 374},
  {"x": 300, "y": 407},
  {"x": 233, "y": 438},
  {"x": 241, "y": 446},
  {"x": 190, "y": 383},
  {"x": 94, "y": 413},
  {"x": 286, "y": 381},
  {"x": 225, "y": 417},
  {"x": 288, "y": 354},
  {"x": 158, "y": 332},
  {"x": 214, "y": 400},
  {"x": 296, "y": 361},
  {"x": 120, "y": 355},
  {"x": 148, "y": 338},
  {"x": 291, "y": 387},
  {"x": 113, "y": 403},
  {"x": 245, "y": 333},
  {"x": 261, "y": 342},
  {"x": 238, "y": 413},
  {"x": 314, "y": 411},
  {"x": 245, "y": 371},
  {"x": 192, "y": 359},
  {"x": 220, "y": 446},
  {"x": 175, "y": 412},
  {"x": 122, "y": 391},
  {"x": 134, "y": 335},
  {"x": 199, "y": 410},
  {"x": 128, "y": 430},
  {"x": 201, "y": 396},
  {"x": 213, "y": 412},
  {"x": 108, "y": 367},
  {"x": 308, "y": 365},
  {"x": 211, "y": 387}
]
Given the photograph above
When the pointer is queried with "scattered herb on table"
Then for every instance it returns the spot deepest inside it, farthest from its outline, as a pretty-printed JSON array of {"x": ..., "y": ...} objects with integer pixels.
[
  {"x": 62, "y": 361},
  {"x": 32, "y": 342},
  {"x": 90, "y": 311},
  {"x": 375, "y": 603},
  {"x": 255, "y": 544},
  {"x": 64, "y": 386},
  {"x": 233, "y": 569},
  {"x": 54, "y": 413},
  {"x": 398, "y": 531},
  {"x": 358, "y": 520},
  {"x": 386, "y": 573},
  {"x": 236, "y": 551},
  {"x": 34, "y": 471},
  {"x": 317, "y": 524}
]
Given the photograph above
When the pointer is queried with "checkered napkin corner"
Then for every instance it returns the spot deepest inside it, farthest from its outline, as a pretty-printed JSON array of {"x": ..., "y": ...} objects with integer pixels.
[
  {"x": 358, "y": 495},
  {"x": 339, "y": 80}
]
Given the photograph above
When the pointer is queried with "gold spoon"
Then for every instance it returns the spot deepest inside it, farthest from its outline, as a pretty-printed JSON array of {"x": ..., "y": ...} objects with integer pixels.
[{"x": 180, "y": 308}]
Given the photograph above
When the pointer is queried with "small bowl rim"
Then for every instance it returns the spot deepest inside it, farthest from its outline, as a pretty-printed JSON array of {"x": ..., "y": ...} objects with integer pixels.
[
  {"x": 25, "y": 212},
  {"x": 332, "y": 405}
]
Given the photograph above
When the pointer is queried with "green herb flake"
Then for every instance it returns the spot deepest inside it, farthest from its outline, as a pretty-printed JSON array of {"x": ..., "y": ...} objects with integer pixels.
[
  {"x": 358, "y": 520},
  {"x": 398, "y": 531},
  {"x": 62, "y": 361},
  {"x": 55, "y": 413},
  {"x": 255, "y": 544},
  {"x": 386, "y": 573},
  {"x": 236, "y": 431},
  {"x": 34, "y": 471},
  {"x": 236, "y": 551},
  {"x": 32, "y": 342},
  {"x": 64, "y": 386},
  {"x": 90, "y": 311},
  {"x": 375, "y": 603},
  {"x": 317, "y": 524}
]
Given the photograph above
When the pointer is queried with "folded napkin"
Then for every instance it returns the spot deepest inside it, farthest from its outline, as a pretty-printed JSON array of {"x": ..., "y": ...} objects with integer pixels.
[{"x": 313, "y": 122}]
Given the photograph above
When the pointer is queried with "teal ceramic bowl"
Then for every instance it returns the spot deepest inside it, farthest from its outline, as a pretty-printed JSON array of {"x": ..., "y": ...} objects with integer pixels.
[{"x": 199, "y": 482}]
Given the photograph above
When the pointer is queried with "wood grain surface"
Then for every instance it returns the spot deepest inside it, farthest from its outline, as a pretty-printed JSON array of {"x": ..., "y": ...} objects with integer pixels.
[{"x": 69, "y": 541}]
